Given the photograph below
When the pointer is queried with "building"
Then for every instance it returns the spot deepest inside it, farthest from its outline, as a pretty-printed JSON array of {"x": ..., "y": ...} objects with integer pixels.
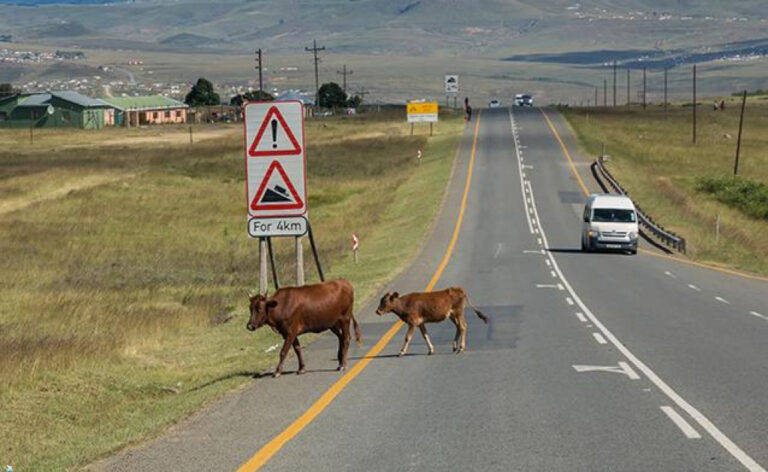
[
  {"x": 53, "y": 110},
  {"x": 149, "y": 110}
]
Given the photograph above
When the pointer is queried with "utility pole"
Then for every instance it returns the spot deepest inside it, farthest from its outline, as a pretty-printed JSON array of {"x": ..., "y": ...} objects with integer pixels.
[
  {"x": 666, "y": 73},
  {"x": 644, "y": 89},
  {"x": 694, "y": 104},
  {"x": 344, "y": 73},
  {"x": 629, "y": 99},
  {"x": 605, "y": 92},
  {"x": 741, "y": 126},
  {"x": 362, "y": 94},
  {"x": 595, "y": 97},
  {"x": 259, "y": 68},
  {"x": 614, "y": 84},
  {"x": 314, "y": 50}
]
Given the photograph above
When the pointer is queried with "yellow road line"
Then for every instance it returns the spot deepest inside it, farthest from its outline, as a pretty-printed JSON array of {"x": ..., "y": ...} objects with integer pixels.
[
  {"x": 645, "y": 251},
  {"x": 272, "y": 447}
]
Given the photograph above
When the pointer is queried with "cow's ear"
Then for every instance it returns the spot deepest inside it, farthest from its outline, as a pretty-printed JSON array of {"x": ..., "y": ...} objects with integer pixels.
[
  {"x": 395, "y": 295},
  {"x": 271, "y": 304}
]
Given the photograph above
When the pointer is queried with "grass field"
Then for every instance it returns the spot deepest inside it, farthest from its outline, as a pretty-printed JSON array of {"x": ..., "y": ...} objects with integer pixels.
[
  {"x": 653, "y": 156},
  {"x": 125, "y": 269}
]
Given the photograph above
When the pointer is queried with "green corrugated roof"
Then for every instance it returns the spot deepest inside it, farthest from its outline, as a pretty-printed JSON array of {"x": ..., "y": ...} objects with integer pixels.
[{"x": 143, "y": 103}]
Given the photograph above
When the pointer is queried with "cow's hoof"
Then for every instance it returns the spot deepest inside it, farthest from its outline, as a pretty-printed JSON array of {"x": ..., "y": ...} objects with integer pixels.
[
  {"x": 301, "y": 371},
  {"x": 275, "y": 375},
  {"x": 432, "y": 351},
  {"x": 341, "y": 368},
  {"x": 400, "y": 354}
]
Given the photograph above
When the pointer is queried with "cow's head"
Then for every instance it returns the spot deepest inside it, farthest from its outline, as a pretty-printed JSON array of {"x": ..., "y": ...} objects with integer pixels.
[
  {"x": 387, "y": 303},
  {"x": 259, "y": 306}
]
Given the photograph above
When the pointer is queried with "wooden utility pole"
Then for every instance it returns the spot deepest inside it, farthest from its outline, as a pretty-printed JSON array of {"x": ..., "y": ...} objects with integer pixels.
[
  {"x": 595, "y": 97},
  {"x": 363, "y": 92},
  {"x": 666, "y": 73},
  {"x": 694, "y": 104},
  {"x": 645, "y": 90},
  {"x": 259, "y": 68},
  {"x": 614, "y": 84},
  {"x": 314, "y": 50},
  {"x": 605, "y": 92},
  {"x": 344, "y": 73},
  {"x": 629, "y": 99},
  {"x": 738, "y": 142}
]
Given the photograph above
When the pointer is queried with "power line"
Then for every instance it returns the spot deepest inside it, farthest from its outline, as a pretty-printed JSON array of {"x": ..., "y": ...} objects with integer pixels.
[
  {"x": 344, "y": 73},
  {"x": 314, "y": 50}
]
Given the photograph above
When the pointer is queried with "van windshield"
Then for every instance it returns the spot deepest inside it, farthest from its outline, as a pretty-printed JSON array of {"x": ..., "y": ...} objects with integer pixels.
[{"x": 613, "y": 215}]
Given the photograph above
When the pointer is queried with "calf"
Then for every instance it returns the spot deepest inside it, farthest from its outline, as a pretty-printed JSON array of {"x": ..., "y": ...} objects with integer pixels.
[
  {"x": 292, "y": 311},
  {"x": 415, "y": 309}
]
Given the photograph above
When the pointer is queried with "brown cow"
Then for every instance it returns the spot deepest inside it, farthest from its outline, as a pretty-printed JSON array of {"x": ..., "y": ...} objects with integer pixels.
[
  {"x": 292, "y": 311},
  {"x": 415, "y": 309}
]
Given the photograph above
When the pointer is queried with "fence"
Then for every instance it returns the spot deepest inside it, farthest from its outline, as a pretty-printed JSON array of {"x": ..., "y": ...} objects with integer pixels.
[{"x": 666, "y": 237}]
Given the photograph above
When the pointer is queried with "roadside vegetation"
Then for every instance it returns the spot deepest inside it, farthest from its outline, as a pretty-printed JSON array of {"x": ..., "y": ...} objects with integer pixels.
[
  {"x": 689, "y": 187},
  {"x": 125, "y": 265}
]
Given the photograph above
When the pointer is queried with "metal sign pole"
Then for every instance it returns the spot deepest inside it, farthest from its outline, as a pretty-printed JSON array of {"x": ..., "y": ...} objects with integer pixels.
[
  {"x": 263, "y": 288},
  {"x": 299, "y": 262}
]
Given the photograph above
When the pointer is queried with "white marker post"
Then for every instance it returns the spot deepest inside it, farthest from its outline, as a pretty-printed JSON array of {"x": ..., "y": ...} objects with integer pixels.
[
  {"x": 355, "y": 245},
  {"x": 419, "y": 155}
]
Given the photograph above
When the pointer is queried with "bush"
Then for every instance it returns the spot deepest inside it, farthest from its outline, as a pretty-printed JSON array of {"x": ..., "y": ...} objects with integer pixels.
[{"x": 749, "y": 196}]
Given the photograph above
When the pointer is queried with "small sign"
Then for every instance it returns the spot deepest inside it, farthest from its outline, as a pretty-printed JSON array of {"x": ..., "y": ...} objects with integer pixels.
[
  {"x": 422, "y": 112},
  {"x": 264, "y": 227},
  {"x": 451, "y": 84},
  {"x": 275, "y": 159}
]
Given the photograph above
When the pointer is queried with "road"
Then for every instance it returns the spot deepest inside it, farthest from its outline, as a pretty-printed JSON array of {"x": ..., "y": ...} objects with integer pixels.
[{"x": 591, "y": 362}]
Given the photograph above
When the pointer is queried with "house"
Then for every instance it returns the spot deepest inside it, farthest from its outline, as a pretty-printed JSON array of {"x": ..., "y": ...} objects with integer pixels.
[
  {"x": 53, "y": 110},
  {"x": 154, "y": 109}
]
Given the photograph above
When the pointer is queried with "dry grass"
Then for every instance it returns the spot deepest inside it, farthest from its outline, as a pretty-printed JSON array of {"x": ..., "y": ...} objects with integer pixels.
[
  {"x": 653, "y": 156},
  {"x": 112, "y": 292}
]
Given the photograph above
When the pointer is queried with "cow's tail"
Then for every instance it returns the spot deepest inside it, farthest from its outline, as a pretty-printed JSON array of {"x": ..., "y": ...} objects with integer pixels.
[
  {"x": 358, "y": 333},
  {"x": 477, "y": 312}
]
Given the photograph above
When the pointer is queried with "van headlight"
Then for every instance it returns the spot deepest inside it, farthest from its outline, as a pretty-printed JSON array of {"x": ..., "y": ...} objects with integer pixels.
[
  {"x": 632, "y": 235},
  {"x": 594, "y": 234}
]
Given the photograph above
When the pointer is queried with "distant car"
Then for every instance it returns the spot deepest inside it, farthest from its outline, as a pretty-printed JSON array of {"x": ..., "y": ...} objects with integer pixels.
[
  {"x": 494, "y": 103},
  {"x": 610, "y": 222},
  {"x": 523, "y": 100}
]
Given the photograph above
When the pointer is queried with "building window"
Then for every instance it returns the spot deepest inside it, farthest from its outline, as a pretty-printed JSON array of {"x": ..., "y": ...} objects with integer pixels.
[
  {"x": 155, "y": 115},
  {"x": 167, "y": 113},
  {"x": 66, "y": 117},
  {"x": 35, "y": 115}
]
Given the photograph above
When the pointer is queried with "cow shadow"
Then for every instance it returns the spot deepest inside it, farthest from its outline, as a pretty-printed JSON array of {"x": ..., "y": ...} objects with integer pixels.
[
  {"x": 268, "y": 373},
  {"x": 240, "y": 373}
]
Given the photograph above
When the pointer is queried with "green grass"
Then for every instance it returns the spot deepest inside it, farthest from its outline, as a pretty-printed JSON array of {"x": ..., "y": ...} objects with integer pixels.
[
  {"x": 653, "y": 156},
  {"x": 122, "y": 291},
  {"x": 749, "y": 196}
]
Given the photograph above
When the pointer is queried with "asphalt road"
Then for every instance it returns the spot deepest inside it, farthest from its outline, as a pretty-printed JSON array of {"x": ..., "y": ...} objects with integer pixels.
[{"x": 591, "y": 362}]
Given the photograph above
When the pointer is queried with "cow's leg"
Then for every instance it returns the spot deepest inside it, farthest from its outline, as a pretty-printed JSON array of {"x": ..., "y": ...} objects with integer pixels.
[
  {"x": 423, "y": 330},
  {"x": 458, "y": 332},
  {"x": 463, "y": 324},
  {"x": 283, "y": 353},
  {"x": 344, "y": 345},
  {"x": 408, "y": 336},
  {"x": 297, "y": 349}
]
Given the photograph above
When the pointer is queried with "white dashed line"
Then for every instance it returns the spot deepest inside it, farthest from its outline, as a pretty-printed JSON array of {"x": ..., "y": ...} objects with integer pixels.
[
  {"x": 569, "y": 300},
  {"x": 670, "y": 274},
  {"x": 684, "y": 426},
  {"x": 581, "y": 317},
  {"x": 722, "y": 300},
  {"x": 630, "y": 372},
  {"x": 553, "y": 274},
  {"x": 560, "y": 287},
  {"x": 599, "y": 338},
  {"x": 754, "y": 313},
  {"x": 694, "y": 287},
  {"x": 549, "y": 264},
  {"x": 538, "y": 240}
]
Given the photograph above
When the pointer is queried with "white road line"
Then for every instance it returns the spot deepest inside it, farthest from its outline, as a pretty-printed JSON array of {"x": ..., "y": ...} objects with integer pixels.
[
  {"x": 754, "y": 313},
  {"x": 581, "y": 317},
  {"x": 520, "y": 168},
  {"x": 684, "y": 426},
  {"x": 498, "y": 251},
  {"x": 569, "y": 300},
  {"x": 553, "y": 274},
  {"x": 536, "y": 230},
  {"x": 671, "y": 274},
  {"x": 599, "y": 338},
  {"x": 750, "y": 464},
  {"x": 560, "y": 287},
  {"x": 545, "y": 286},
  {"x": 722, "y": 300},
  {"x": 549, "y": 264},
  {"x": 694, "y": 287},
  {"x": 530, "y": 210},
  {"x": 630, "y": 373},
  {"x": 538, "y": 240}
]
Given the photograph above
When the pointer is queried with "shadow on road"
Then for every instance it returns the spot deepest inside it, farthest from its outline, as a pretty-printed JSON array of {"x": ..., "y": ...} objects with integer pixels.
[{"x": 240, "y": 373}]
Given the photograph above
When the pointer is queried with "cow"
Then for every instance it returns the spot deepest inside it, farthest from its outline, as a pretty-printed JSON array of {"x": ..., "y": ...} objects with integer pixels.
[
  {"x": 416, "y": 309},
  {"x": 292, "y": 311}
]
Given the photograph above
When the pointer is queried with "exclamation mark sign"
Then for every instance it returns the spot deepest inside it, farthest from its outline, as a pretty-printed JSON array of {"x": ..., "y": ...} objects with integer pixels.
[{"x": 274, "y": 133}]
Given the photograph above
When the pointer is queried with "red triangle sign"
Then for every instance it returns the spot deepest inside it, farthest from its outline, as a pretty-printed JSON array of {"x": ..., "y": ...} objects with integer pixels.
[
  {"x": 276, "y": 197},
  {"x": 274, "y": 120}
]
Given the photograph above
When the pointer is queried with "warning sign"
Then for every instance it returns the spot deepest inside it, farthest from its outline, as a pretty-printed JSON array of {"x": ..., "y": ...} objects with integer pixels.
[{"x": 275, "y": 159}]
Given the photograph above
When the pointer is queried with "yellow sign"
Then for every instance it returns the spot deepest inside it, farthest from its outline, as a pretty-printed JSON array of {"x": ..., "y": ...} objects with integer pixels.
[{"x": 422, "y": 112}]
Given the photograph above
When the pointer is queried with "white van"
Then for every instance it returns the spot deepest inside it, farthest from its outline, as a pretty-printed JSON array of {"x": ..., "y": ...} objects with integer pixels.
[{"x": 610, "y": 222}]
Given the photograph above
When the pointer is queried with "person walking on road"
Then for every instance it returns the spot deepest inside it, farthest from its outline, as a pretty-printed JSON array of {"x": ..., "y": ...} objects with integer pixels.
[{"x": 467, "y": 109}]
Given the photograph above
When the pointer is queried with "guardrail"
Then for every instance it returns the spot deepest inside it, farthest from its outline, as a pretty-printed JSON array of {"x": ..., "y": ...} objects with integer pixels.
[{"x": 666, "y": 237}]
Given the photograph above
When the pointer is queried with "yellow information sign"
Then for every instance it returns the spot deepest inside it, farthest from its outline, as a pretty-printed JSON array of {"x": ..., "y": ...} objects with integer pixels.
[{"x": 422, "y": 112}]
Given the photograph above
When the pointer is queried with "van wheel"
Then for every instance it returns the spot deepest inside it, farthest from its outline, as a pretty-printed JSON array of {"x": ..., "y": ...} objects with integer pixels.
[
  {"x": 583, "y": 246},
  {"x": 633, "y": 252}
]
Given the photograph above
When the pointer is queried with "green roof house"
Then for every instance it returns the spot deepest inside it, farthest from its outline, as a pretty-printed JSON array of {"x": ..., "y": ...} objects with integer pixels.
[
  {"x": 154, "y": 109},
  {"x": 53, "y": 110}
]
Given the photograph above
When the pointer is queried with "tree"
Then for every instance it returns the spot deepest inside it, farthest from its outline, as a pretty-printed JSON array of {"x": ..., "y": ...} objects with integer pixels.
[
  {"x": 202, "y": 94},
  {"x": 355, "y": 101},
  {"x": 7, "y": 90},
  {"x": 255, "y": 96},
  {"x": 331, "y": 95}
]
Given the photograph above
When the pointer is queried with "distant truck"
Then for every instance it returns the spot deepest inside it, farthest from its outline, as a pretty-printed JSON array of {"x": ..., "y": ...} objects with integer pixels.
[{"x": 523, "y": 100}]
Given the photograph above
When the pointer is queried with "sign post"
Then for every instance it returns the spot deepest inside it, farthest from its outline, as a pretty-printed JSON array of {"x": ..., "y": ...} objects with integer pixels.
[
  {"x": 422, "y": 112},
  {"x": 355, "y": 245},
  {"x": 275, "y": 166},
  {"x": 451, "y": 88}
]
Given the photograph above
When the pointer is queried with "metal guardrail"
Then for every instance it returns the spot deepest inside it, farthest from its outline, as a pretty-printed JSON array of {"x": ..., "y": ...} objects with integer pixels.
[{"x": 667, "y": 237}]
